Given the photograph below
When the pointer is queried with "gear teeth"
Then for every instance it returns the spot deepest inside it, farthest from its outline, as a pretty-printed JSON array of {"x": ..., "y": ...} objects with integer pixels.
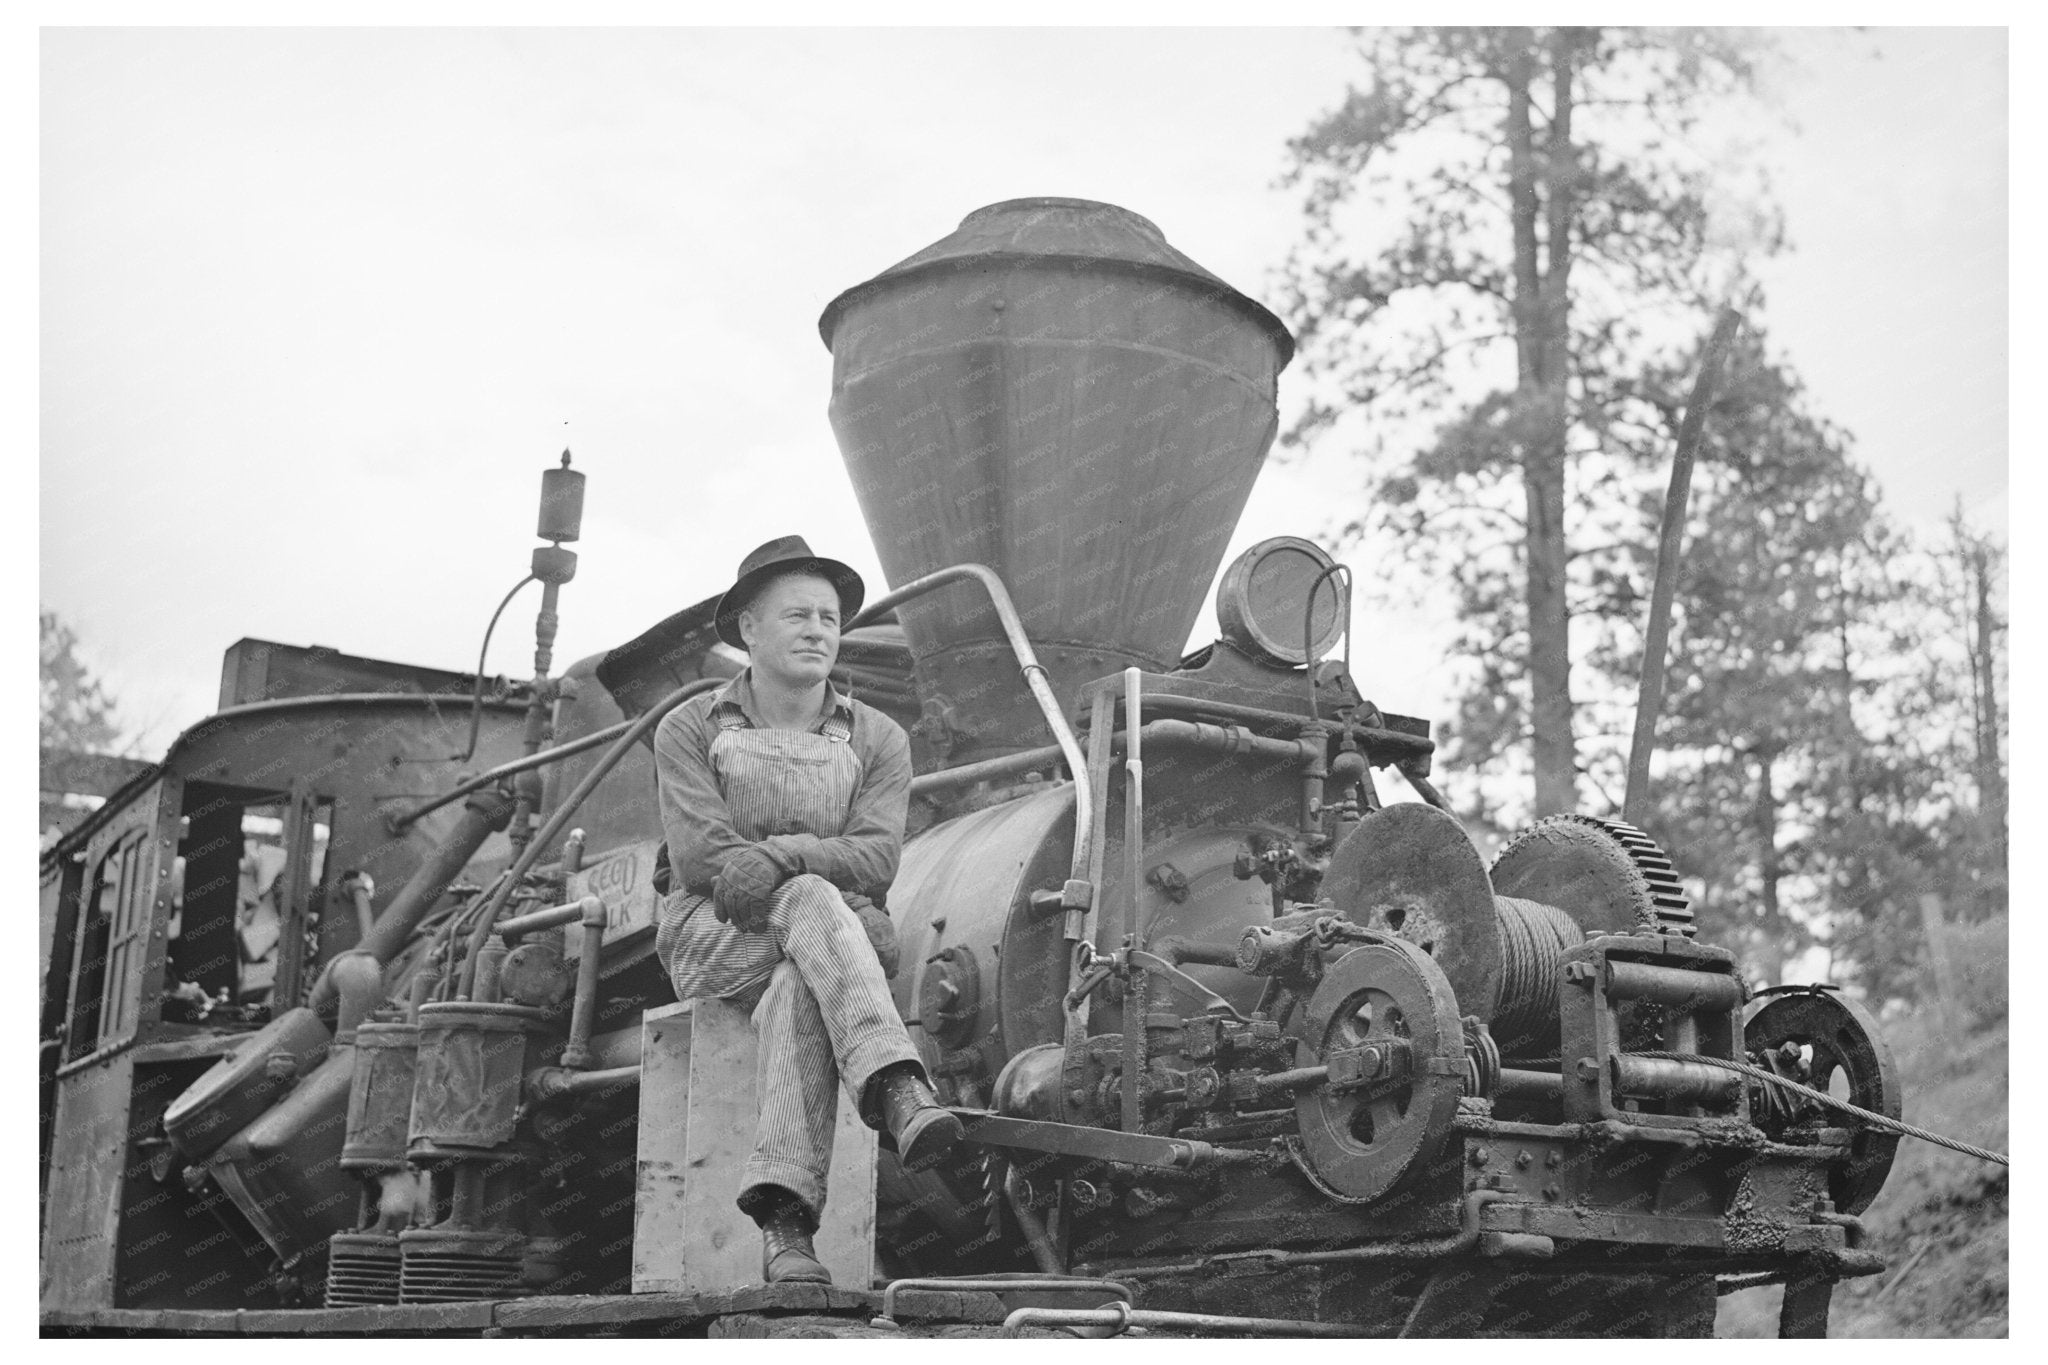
[{"x": 1669, "y": 907}]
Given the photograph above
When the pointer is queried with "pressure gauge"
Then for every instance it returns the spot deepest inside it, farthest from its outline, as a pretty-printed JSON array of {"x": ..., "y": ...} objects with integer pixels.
[{"x": 1262, "y": 603}]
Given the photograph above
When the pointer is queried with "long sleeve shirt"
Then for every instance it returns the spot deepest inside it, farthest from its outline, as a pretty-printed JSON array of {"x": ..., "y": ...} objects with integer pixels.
[{"x": 859, "y": 857}]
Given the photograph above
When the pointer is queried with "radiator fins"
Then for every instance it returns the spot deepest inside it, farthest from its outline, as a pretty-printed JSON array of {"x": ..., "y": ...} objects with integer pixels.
[
  {"x": 362, "y": 1270},
  {"x": 457, "y": 1267}
]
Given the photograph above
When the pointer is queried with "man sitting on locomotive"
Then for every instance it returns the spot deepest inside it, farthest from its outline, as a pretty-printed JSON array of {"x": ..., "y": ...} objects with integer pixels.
[{"x": 783, "y": 804}]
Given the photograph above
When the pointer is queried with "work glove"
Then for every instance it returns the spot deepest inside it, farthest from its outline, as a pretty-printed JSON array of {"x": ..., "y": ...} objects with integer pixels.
[
  {"x": 745, "y": 889},
  {"x": 881, "y": 932}
]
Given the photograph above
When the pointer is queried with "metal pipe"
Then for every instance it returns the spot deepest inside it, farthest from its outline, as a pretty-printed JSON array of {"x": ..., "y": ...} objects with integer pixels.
[
  {"x": 1180, "y": 950},
  {"x": 484, "y": 813},
  {"x": 398, "y": 822},
  {"x": 1300, "y": 1078},
  {"x": 533, "y": 921},
  {"x": 1134, "y": 874},
  {"x": 968, "y": 773},
  {"x": 1223, "y": 739},
  {"x": 546, "y": 1084},
  {"x": 1119, "y": 1316},
  {"x": 1676, "y": 986},
  {"x": 359, "y": 978},
  {"x": 643, "y": 723},
  {"x": 992, "y": 1284},
  {"x": 1375, "y": 736},
  {"x": 1656, "y": 634},
  {"x": 1426, "y": 1249},
  {"x": 1031, "y": 1224},
  {"x": 1035, "y": 676},
  {"x": 576, "y": 1052},
  {"x": 359, "y": 890}
]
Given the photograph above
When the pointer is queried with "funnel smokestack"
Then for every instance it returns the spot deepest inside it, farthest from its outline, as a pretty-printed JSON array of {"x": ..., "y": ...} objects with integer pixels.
[{"x": 1055, "y": 392}]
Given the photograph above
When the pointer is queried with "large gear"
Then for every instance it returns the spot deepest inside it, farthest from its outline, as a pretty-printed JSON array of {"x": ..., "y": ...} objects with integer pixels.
[{"x": 1606, "y": 874}]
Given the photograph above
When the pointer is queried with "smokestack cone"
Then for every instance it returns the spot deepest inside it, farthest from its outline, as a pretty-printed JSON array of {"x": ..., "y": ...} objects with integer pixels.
[{"x": 1055, "y": 392}]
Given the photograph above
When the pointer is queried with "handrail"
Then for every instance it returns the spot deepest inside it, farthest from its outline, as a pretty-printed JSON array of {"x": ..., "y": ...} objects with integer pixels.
[{"x": 1035, "y": 677}]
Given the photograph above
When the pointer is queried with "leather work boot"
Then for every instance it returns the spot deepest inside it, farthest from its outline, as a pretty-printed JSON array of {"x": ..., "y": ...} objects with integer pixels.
[
  {"x": 923, "y": 1129},
  {"x": 787, "y": 1256}
]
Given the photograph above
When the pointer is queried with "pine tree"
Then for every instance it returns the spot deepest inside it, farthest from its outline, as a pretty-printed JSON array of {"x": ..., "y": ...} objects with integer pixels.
[
  {"x": 76, "y": 712},
  {"x": 1497, "y": 221}
]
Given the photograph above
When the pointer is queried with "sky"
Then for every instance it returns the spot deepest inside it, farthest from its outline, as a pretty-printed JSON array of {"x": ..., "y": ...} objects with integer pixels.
[{"x": 317, "y": 307}]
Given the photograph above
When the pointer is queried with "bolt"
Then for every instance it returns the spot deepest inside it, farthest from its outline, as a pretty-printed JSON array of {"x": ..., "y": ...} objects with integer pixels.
[
  {"x": 1522, "y": 1160},
  {"x": 1554, "y": 1159},
  {"x": 1477, "y": 1156},
  {"x": 1579, "y": 973},
  {"x": 1589, "y": 1070},
  {"x": 1551, "y": 1191}
]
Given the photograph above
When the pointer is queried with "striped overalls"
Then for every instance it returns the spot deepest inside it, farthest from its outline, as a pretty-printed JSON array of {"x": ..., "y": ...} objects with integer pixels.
[{"x": 818, "y": 996}]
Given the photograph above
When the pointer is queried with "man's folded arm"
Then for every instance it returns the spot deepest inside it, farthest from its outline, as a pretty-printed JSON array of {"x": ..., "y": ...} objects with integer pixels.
[{"x": 863, "y": 856}]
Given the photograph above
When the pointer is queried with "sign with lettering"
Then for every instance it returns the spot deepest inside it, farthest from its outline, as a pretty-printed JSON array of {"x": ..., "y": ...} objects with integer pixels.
[{"x": 623, "y": 878}]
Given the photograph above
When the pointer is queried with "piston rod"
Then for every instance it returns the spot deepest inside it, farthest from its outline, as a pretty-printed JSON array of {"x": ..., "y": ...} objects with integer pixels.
[{"x": 1678, "y": 1082}]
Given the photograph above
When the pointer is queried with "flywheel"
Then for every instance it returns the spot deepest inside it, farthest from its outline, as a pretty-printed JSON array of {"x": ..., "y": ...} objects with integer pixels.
[
  {"x": 1815, "y": 1036},
  {"x": 1385, "y": 1023},
  {"x": 1408, "y": 871}
]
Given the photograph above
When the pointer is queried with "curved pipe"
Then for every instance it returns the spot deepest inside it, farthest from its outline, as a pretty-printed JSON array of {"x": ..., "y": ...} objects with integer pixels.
[
  {"x": 482, "y": 815},
  {"x": 1035, "y": 676},
  {"x": 1466, "y": 1238},
  {"x": 556, "y": 822},
  {"x": 359, "y": 980},
  {"x": 476, "y": 703},
  {"x": 550, "y": 1083}
]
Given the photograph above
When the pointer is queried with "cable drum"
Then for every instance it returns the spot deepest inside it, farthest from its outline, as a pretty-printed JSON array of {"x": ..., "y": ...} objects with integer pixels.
[{"x": 1533, "y": 939}]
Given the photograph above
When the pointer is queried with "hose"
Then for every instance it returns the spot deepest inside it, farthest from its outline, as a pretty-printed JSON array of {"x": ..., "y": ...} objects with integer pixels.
[
  {"x": 476, "y": 702},
  {"x": 1875, "y": 1120}
]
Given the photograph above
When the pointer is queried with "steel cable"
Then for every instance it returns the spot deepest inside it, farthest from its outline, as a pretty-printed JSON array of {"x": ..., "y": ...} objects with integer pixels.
[
  {"x": 1822, "y": 1097},
  {"x": 1533, "y": 937}
]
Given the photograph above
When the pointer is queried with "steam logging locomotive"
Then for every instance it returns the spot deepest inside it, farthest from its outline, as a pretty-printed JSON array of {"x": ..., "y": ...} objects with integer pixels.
[{"x": 1243, "y": 1044}]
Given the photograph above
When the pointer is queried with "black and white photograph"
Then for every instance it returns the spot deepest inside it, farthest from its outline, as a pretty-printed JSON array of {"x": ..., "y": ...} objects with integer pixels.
[{"x": 1126, "y": 675}]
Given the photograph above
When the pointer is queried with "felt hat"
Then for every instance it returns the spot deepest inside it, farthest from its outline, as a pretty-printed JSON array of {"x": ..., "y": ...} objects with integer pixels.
[{"x": 785, "y": 554}]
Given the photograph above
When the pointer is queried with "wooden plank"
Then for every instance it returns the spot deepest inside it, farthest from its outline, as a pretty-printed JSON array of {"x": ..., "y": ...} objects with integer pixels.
[
  {"x": 723, "y": 1248},
  {"x": 407, "y": 1318},
  {"x": 599, "y": 1310},
  {"x": 1595, "y": 1225},
  {"x": 661, "y": 1228},
  {"x": 595, "y": 1310},
  {"x": 698, "y": 1109},
  {"x": 846, "y": 1231}
]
